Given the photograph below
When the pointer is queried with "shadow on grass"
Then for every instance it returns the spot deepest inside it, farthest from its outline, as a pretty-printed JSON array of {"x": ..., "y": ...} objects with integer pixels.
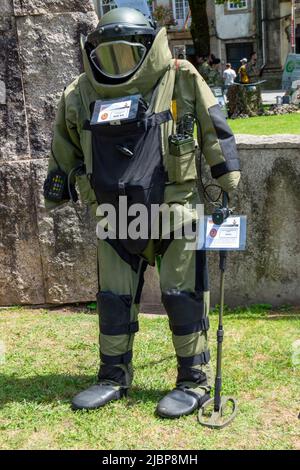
[
  {"x": 154, "y": 363},
  {"x": 60, "y": 388}
]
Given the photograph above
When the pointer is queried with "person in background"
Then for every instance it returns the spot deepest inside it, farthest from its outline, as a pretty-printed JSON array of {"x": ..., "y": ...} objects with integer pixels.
[
  {"x": 214, "y": 77},
  {"x": 211, "y": 58},
  {"x": 242, "y": 72},
  {"x": 203, "y": 67},
  {"x": 229, "y": 75},
  {"x": 253, "y": 71}
]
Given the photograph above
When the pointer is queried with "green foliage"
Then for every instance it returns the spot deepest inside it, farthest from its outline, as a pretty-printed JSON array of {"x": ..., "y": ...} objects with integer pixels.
[
  {"x": 220, "y": 2},
  {"x": 267, "y": 125},
  {"x": 164, "y": 16},
  {"x": 92, "y": 306}
]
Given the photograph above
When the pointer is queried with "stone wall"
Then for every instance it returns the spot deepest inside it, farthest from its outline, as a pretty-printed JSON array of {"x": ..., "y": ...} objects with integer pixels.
[
  {"x": 50, "y": 258},
  {"x": 41, "y": 255}
]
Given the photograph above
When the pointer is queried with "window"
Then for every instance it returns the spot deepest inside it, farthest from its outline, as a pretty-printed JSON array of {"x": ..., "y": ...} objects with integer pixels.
[
  {"x": 180, "y": 9},
  {"x": 242, "y": 5},
  {"x": 106, "y": 5}
]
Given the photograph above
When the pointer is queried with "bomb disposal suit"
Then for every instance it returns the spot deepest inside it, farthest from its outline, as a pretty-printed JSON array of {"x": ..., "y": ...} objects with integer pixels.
[{"x": 116, "y": 122}]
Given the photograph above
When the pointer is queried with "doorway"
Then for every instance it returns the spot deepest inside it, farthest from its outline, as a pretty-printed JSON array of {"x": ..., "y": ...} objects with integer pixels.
[{"x": 237, "y": 51}]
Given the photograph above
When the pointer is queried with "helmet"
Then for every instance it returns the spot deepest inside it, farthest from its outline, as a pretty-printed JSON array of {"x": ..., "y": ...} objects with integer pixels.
[{"x": 120, "y": 43}]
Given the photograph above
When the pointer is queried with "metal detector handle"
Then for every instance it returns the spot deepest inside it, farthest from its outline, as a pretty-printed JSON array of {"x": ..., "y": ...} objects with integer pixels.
[
  {"x": 225, "y": 199},
  {"x": 223, "y": 254}
]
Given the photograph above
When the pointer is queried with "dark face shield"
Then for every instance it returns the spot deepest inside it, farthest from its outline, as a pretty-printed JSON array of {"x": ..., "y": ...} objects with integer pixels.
[{"x": 118, "y": 59}]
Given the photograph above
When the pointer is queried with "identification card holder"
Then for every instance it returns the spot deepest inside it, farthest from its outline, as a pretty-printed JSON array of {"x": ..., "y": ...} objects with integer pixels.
[
  {"x": 116, "y": 110},
  {"x": 229, "y": 236}
]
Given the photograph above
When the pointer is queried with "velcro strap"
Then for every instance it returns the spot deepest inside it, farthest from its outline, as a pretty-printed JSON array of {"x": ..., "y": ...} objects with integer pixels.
[
  {"x": 190, "y": 374},
  {"x": 198, "y": 359},
  {"x": 116, "y": 374},
  {"x": 225, "y": 167},
  {"x": 159, "y": 118},
  {"x": 114, "y": 360},
  {"x": 126, "y": 329},
  {"x": 181, "y": 330}
]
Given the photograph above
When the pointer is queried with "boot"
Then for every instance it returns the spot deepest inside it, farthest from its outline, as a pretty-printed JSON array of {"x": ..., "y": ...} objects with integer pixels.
[
  {"x": 98, "y": 395},
  {"x": 181, "y": 401},
  {"x": 113, "y": 384}
]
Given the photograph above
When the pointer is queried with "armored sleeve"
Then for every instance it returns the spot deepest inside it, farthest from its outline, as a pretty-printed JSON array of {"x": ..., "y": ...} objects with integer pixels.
[
  {"x": 66, "y": 152},
  {"x": 216, "y": 138}
]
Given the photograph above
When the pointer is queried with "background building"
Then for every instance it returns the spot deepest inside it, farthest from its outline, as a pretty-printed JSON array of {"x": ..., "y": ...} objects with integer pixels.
[{"x": 263, "y": 26}]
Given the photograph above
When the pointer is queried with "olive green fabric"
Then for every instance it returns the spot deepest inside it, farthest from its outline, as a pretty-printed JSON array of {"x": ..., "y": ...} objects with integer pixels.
[
  {"x": 177, "y": 271},
  {"x": 72, "y": 143},
  {"x": 124, "y": 281}
]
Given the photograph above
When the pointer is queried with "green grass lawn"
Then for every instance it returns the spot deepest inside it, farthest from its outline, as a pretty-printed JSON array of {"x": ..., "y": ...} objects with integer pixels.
[
  {"x": 267, "y": 125},
  {"x": 51, "y": 355}
]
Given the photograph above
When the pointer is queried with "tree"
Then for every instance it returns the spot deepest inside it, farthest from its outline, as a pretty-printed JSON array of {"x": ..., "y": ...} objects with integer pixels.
[{"x": 200, "y": 26}]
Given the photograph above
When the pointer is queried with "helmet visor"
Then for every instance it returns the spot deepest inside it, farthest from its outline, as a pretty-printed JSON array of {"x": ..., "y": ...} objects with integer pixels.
[{"x": 119, "y": 58}]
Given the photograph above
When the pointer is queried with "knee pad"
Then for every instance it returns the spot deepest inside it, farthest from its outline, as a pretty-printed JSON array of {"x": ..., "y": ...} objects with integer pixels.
[
  {"x": 185, "y": 311},
  {"x": 114, "y": 314}
]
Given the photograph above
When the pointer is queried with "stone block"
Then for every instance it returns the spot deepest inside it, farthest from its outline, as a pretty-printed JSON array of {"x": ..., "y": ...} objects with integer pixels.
[
  {"x": 268, "y": 271},
  {"x": 41, "y": 7},
  {"x": 67, "y": 247},
  {"x": 14, "y": 143},
  {"x": 21, "y": 273},
  {"x": 51, "y": 60}
]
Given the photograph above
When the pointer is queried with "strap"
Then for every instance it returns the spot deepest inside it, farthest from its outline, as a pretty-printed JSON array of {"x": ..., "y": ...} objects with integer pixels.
[
  {"x": 143, "y": 267},
  {"x": 113, "y": 373},
  {"x": 225, "y": 167},
  {"x": 201, "y": 279},
  {"x": 181, "y": 330},
  {"x": 87, "y": 125},
  {"x": 115, "y": 330},
  {"x": 114, "y": 360},
  {"x": 132, "y": 260},
  {"x": 190, "y": 374},
  {"x": 159, "y": 118},
  {"x": 198, "y": 359}
]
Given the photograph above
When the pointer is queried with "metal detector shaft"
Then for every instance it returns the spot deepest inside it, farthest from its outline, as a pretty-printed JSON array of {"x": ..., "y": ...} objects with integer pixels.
[{"x": 220, "y": 332}]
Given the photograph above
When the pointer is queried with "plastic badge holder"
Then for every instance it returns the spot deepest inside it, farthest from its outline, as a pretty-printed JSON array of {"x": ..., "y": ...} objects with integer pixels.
[
  {"x": 115, "y": 110},
  {"x": 229, "y": 236}
]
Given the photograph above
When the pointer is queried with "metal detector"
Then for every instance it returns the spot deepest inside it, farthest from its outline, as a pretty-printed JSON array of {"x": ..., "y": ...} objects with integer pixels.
[{"x": 219, "y": 411}]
